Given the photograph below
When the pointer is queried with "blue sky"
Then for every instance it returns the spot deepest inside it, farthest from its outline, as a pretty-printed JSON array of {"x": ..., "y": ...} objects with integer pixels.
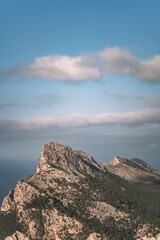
[{"x": 81, "y": 73}]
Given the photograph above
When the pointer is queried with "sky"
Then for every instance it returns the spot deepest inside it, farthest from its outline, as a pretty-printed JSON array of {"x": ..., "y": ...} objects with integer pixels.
[{"x": 81, "y": 73}]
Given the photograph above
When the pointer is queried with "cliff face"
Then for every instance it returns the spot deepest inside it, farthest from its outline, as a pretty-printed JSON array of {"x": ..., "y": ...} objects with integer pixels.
[
  {"x": 73, "y": 197},
  {"x": 63, "y": 157}
]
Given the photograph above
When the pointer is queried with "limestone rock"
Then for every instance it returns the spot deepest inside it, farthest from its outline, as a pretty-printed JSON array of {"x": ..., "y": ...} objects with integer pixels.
[
  {"x": 63, "y": 157},
  {"x": 8, "y": 202},
  {"x": 150, "y": 238},
  {"x": 102, "y": 210},
  {"x": 133, "y": 169},
  {"x": 96, "y": 236},
  {"x": 17, "y": 236},
  {"x": 24, "y": 192},
  {"x": 71, "y": 195}
]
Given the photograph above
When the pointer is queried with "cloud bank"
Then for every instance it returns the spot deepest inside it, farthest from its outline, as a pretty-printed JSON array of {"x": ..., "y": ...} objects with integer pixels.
[
  {"x": 127, "y": 119},
  {"x": 92, "y": 66},
  {"x": 121, "y": 62},
  {"x": 58, "y": 67}
]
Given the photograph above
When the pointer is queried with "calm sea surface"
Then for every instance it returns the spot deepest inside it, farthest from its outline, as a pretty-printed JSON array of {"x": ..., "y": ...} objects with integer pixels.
[{"x": 11, "y": 172}]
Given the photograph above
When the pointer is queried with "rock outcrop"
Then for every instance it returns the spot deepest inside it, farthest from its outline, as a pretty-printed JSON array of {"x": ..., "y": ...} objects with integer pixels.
[
  {"x": 63, "y": 157},
  {"x": 150, "y": 238},
  {"x": 8, "y": 201},
  {"x": 17, "y": 236},
  {"x": 95, "y": 236},
  {"x": 133, "y": 169},
  {"x": 71, "y": 196}
]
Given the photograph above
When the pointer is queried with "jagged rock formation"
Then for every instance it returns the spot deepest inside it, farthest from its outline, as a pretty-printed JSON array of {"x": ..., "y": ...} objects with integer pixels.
[
  {"x": 71, "y": 196},
  {"x": 17, "y": 236},
  {"x": 63, "y": 157},
  {"x": 133, "y": 169}
]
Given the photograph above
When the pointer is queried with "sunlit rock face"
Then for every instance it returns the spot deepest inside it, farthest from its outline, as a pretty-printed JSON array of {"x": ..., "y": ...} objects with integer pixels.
[
  {"x": 94, "y": 236},
  {"x": 63, "y": 157},
  {"x": 133, "y": 169},
  {"x": 150, "y": 238},
  {"x": 71, "y": 196},
  {"x": 17, "y": 236},
  {"x": 8, "y": 201},
  {"x": 115, "y": 161}
]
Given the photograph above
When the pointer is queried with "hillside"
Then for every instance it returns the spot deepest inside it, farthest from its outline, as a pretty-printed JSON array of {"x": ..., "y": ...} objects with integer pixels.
[
  {"x": 133, "y": 169},
  {"x": 71, "y": 196}
]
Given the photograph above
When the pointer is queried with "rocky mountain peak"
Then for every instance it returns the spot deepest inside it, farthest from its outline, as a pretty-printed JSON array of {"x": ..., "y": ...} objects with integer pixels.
[
  {"x": 132, "y": 169},
  {"x": 132, "y": 162},
  {"x": 73, "y": 197},
  {"x": 115, "y": 161},
  {"x": 64, "y": 158}
]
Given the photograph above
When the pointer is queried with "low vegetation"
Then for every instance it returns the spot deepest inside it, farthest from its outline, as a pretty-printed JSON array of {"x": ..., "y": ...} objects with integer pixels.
[
  {"x": 139, "y": 201},
  {"x": 9, "y": 223},
  {"x": 82, "y": 195}
]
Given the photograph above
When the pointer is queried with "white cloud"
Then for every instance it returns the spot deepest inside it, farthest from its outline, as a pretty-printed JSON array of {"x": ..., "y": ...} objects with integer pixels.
[
  {"x": 59, "y": 67},
  {"x": 114, "y": 60},
  {"x": 120, "y": 61},
  {"x": 128, "y": 119}
]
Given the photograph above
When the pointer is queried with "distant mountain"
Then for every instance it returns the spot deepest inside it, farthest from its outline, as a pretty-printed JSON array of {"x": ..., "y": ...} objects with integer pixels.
[
  {"x": 72, "y": 197},
  {"x": 133, "y": 169}
]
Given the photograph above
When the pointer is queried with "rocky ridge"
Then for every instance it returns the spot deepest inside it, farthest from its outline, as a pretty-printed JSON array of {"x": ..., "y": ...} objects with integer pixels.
[
  {"x": 133, "y": 169},
  {"x": 71, "y": 196},
  {"x": 64, "y": 158}
]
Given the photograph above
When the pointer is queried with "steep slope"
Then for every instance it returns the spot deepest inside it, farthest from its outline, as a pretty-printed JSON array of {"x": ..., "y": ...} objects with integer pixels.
[
  {"x": 63, "y": 157},
  {"x": 133, "y": 169},
  {"x": 73, "y": 197}
]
